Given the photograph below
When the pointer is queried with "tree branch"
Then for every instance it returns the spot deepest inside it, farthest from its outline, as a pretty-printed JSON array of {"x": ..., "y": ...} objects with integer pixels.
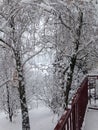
[
  {"x": 62, "y": 22},
  {"x": 32, "y": 56},
  {"x": 4, "y": 83},
  {"x": 82, "y": 48},
  {"x": 8, "y": 45},
  {"x": 83, "y": 56}
]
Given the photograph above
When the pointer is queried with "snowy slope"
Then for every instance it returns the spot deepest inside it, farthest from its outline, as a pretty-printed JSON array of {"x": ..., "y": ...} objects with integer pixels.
[{"x": 40, "y": 119}]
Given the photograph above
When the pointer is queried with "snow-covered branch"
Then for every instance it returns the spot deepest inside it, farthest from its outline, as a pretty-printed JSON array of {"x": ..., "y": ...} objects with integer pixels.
[
  {"x": 85, "y": 46},
  {"x": 5, "y": 44},
  {"x": 5, "y": 83},
  {"x": 63, "y": 23},
  {"x": 32, "y": 56}
]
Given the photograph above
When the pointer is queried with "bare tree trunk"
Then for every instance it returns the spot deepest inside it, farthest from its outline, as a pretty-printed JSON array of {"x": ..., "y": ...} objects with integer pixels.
[{"x": 22, "y": 93}]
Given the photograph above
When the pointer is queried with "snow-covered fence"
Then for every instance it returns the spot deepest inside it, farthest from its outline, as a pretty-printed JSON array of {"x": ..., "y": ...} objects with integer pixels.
[{"x": 72, "y": 118}]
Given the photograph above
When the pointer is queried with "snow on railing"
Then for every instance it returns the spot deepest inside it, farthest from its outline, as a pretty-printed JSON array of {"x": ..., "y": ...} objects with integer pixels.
[{"x": 73, "y": 118}]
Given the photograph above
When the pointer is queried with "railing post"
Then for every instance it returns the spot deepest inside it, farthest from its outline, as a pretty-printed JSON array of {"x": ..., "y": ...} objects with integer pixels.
[{"x": 73, "y": 118}]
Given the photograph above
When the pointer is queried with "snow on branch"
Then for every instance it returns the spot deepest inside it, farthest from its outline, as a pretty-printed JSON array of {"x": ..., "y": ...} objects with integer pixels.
[
  {"x": 32, "y": 56},
  {"x": 5, "y": 83},
  {"x": 82, "y": 48},
  {"x": 47, "y": 7},
  {"x": 62, "y": 2},
  {"x": 5, "y": 44},
  {"x": 63, "y": 23},
  {"x": 83, "y": 56}
]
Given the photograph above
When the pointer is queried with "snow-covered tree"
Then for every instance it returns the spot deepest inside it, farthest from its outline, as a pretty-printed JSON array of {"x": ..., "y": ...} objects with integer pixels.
[
  {"x": 17, "y": 36},
  {"x": 74, "y": 36},
  {"x": 77, "y": 35},
  {"x": 9, "y": 97}
]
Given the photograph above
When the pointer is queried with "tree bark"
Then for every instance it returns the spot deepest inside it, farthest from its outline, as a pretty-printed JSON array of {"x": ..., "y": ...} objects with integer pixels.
[
  {"x": 10, "y": 111},
  {"x": 22, "y": 93},
  {"x": 14, "y": 43},
  {"x": 69, "y": 79},
  {"x": 73, "y": 59}
]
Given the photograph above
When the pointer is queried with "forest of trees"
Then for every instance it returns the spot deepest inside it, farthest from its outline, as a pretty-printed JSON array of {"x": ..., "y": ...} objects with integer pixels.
[{"x": 46, "y": 48}]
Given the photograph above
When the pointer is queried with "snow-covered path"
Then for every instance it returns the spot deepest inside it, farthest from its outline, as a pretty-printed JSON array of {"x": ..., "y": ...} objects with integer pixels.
[{"x": 91, "y": 120}]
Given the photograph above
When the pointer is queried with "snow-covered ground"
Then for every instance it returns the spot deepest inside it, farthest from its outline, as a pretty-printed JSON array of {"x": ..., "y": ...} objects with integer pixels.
[
  {"x": 91, "y": 120},
  {"x": 41, "y": 118}
]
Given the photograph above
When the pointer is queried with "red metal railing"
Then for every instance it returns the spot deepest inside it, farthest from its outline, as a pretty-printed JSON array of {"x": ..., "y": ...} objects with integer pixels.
[{"x": 73, "y": 118}]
